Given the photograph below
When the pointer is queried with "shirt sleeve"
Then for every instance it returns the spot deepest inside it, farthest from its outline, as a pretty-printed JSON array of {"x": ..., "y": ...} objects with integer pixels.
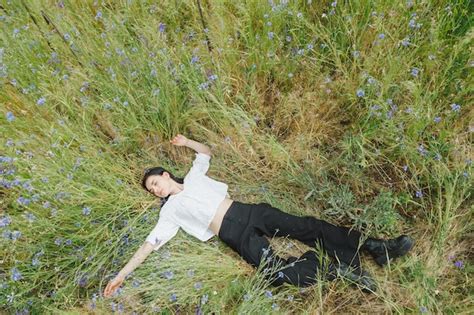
[
  {"x": 200, "y": 164},
  {"x": 163, "y": 231}
]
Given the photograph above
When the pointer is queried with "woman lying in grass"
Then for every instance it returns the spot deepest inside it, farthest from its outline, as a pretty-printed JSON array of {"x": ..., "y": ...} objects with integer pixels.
[{"x": 201, "y": 206}]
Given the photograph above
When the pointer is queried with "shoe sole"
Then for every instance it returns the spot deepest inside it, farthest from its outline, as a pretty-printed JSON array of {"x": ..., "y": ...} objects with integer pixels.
[{"x": 405, "y": 248}]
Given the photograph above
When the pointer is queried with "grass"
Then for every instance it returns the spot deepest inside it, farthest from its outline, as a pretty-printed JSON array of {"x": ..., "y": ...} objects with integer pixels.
[{"x": 357, "y": 113}]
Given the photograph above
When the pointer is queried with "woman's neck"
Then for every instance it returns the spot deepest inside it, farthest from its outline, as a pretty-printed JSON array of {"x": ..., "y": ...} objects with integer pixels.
[{"x": 178, "y": 188}]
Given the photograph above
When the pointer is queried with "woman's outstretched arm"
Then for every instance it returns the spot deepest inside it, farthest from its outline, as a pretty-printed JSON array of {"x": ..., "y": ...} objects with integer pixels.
[
  {"x": 181, "y": 140},
  {"x": 140, "y": 255}
]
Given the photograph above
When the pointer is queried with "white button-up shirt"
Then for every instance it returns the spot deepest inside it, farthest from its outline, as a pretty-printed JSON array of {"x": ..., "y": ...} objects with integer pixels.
[{"x": 193, "y": 208}]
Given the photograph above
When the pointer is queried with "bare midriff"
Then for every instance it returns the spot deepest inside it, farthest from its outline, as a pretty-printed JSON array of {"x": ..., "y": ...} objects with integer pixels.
[{"x": 216, "y": 222}]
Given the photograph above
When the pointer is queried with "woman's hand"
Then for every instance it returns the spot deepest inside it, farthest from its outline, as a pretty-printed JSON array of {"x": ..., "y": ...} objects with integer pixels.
[
  {"x": 179, "y": 140},
  {"x": 112, "y": 286}
]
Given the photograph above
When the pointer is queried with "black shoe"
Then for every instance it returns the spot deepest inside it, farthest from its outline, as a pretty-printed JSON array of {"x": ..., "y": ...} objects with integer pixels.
[
  {"x": 383, "y": 251},
  {"x": 361, "y": 277}
]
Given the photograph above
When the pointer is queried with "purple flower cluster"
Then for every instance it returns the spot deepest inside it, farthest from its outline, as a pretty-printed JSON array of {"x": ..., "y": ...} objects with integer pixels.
[
  {"x": 422, "y": 150},
  {"x": 10, "y": 117},
  {"x": 86, "y": 210},
  {"x": 205, "y": 85},
  {"x": 82, "y": 281},
  {"x": 35, "y": 261},
  {"x": 360, "y": 93},
  {"x": 168, "y": 274},
  {"x": 15, "y": 274},
  {"x": 9, "y": 235},
  {"x": 161, "y": 27},
  {"x": 4, "y": 221}
]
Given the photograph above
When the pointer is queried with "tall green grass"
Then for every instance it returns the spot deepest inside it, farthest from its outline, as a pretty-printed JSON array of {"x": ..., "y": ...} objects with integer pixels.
[{"x": 355, "y": 112}]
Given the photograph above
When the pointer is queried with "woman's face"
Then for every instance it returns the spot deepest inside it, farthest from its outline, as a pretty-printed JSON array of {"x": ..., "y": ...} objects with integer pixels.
[{"x": 158, "y": 185}]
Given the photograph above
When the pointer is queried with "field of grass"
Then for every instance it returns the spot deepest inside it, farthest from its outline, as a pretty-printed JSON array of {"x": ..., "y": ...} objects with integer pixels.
[{"x": 357, "y": 112}]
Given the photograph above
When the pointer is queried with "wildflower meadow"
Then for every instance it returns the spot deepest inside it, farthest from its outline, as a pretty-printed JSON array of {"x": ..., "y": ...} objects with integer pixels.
[{"x": 356, "y": 112}]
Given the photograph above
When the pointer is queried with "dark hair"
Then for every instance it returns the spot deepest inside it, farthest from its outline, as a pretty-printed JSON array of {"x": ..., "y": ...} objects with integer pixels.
[{"x": 159, "y": 171}]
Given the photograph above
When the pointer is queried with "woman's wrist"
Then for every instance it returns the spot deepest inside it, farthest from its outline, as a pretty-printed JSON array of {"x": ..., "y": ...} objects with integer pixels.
[
  {"x": 197, "y": 146},
  {"x": 120, "y": 276}
]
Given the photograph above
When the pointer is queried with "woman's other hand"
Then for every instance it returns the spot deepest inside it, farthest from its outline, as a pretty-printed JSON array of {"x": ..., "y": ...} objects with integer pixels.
[
  {"x": 112, "y": 286},
  {"x": 179, "y": 140}
]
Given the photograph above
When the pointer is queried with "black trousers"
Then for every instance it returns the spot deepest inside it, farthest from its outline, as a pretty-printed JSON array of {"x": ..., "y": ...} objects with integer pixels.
[{"x": 244, "y": 226}]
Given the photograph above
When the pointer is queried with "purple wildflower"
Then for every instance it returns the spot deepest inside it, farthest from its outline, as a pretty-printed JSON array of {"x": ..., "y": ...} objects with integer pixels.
[
  {"x": 161, "y": 27},
  {"x": 204, "y": 299},
  {"x": 360, "y": 93},
  {"x": 6, "y": 159},
  {"x": 23, "y": 201},
  {"x": 10, "y": 116},
  {"x": 16, "y": 275},
  {"x": 15, "y": 235},
  {"x": 203, "y": 86},
  {"x": 437, "y": 119},
  {"x": 455, "y": 107},
  {"x": 35, "y": 261},
  {"x": 415, "y": 72},
  {"x": 173, "y": 297},
  {"x": 375, "y": 107},
  {"x": 41, "y": 101},
  {"x": 168, "y": 274},
  {"x": 86, "y": 210},
  {"x": 198, "y": 285},
  {"x": 82, "y": 282},
  {"x": 459, "y": 264},
  {"x": 422, "y": 150},
  {"x": 265, "y": 251},
  {"x": 268, "y": 294},
  {"x": 4, "y": 221},
  {"x": 194, "y": 59},
  {"x": 419, "y": 194},
  {"x": 30, "y": 217},
  {"x": 406, "y": 42}
]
